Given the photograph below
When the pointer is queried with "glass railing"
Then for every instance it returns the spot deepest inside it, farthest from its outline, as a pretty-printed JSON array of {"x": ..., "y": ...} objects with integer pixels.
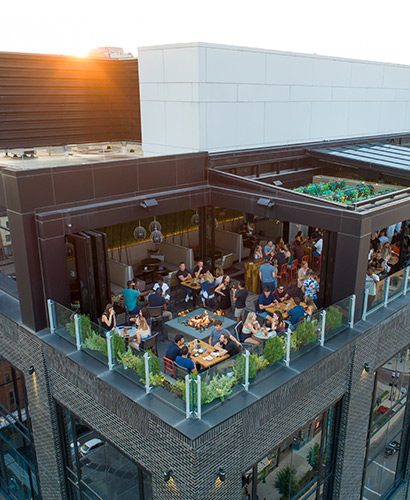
[
  {"x": 305, "y": 335},
  {"x": 396, "y": 284},
  {"x": 94, "y": 339},
  {"x": 337, "y": 317},
  {"x": 376, "y": 301},
  {"x": 269, "y": 356},
  {"x": 64, "y": 323}
]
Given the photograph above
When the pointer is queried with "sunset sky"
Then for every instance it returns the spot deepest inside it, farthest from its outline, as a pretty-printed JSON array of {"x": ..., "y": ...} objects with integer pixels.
[{"x": 360, "y": 29}]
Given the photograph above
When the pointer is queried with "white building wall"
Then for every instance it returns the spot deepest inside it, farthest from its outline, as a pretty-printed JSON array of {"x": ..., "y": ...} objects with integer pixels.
[{"x": 212, "y": 97}]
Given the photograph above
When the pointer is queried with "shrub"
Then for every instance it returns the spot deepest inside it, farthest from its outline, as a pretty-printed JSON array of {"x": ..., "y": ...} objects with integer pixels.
[
  {"x": 305, "y": 333},
  {"x": 96, "y": 343},
  {"x": 334, "y": 318},
  {"x": 273, "y": 351},
  {"x": 239, "y": 367},
  {"x": 286, "y": 482},
  {"x": 313, "y": 457}
]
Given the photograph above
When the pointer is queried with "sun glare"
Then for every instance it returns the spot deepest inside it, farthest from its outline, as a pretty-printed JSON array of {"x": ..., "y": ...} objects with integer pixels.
[{"x": 81, "y": 53}]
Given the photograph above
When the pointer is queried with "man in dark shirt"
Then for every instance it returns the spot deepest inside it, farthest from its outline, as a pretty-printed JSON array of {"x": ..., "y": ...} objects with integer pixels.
[
  {"x": 239, "y": 299},
  {"x": 156, "y": 300},
  {"x": 296, "y": 312},
  {"x": 200, "y": 269},
  {"x": 226, "y": 345},
  {"x": 174, "y": 348},
  {"x": 265, "y": 300},
  {"x": 299, "y": 252},
  {"x": 183, "y": 275},
  {"x": 281, "y": 294},
  {"x": 280, "y": 259}
]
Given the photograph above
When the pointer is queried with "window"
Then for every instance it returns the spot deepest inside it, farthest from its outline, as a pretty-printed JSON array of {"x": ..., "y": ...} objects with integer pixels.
[
  {"x": 300, "y": 468},
  {"x": 94, "y": 468},
  {"x": 385, "y": 462}
]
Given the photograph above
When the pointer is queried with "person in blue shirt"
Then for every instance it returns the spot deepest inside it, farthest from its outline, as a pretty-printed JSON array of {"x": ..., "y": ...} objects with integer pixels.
[
  {"x": 131, "y": 294},
  {"x": 296, "y": 312},
  {"x": 269, "y": 249},
  {"x": 185, "y": 362},
  {"x": 175, "y": 347},
  {"x": 265, "y": 300},
  {"x": 267, "y": 275}
]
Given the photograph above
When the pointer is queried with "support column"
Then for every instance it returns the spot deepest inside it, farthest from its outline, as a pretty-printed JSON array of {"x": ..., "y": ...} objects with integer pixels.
[{"x": 202, "y": 234}]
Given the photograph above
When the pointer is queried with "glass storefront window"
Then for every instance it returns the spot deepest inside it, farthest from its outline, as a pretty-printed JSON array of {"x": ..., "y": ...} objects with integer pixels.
[
  {"x": 299, "y": 468},
  {"x": 383, "y": 468},
  {"x": 95, "y": 469},
  {"x": 8, "y": 281},
  {"x": 18, "y": 477}
]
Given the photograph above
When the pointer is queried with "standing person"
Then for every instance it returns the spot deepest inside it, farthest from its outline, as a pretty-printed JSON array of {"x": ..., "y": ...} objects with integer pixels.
[
  {"x": 371, "y": 282},
  {"x": 224, "y": 293},
  {"x": 310, "y": 286},
  {"x": 108, "y": 317},
  {"x": 318, "y": 247},
  {"x": 182, "y": 275},
  {"x": 267, "y": 275},
  {"x": 239, "y": 299},
  {"x": 163, "y": 287},
  {"x": 298, "y": 251}
]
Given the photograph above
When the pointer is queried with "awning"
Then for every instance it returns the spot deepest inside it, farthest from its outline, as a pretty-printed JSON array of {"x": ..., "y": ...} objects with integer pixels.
[{"x": 388, "y": 158}]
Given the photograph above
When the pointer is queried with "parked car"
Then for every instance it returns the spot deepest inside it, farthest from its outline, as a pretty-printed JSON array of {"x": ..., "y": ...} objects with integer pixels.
[
  {"x": 90, "y": 446},
  {"x": 392, "y": 448}
]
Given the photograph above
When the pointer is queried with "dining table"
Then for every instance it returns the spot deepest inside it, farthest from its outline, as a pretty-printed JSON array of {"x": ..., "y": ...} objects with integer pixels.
[
  {"x": 264, "y": 333},
  {"x": 204, "y": 354},
  {"x": 283, "y": 307}
]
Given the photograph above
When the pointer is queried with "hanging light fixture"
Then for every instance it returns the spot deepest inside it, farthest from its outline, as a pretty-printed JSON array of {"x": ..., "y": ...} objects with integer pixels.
[
  {"x": 140, "y": 232},
  {"x": 156, "y": 237},
  {"x": 195, "y": 219},
  {"x": 155, "y": 226}
]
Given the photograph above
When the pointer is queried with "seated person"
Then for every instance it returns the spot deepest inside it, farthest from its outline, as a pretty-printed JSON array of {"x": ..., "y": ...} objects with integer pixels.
[
  {"x": 182, "y": 275},
  {"x": 310, "y": 308},
  {"x": 108, "y": 317},
  {"x": 302, "y": 273},
  {"x": 378, "y": 262},
  {"x": 226, "y": 345},
  {"x": 296, "y": 312},
  {"x": 165, "y": 292},
  {"x": 216, "y": 333},
  {"x": 131, "y": 295},
  {"x": 156, "y": 300},
  {"x": 276, "y": 322},
  {"x": 200, "y": 269},
  {"x": 280, "y": 258},
  {"x": 143, "y": 330},
  {"x": 265, "y": 300},
  {"x": 382, "y": 237},
  {"x": 144, "y": 313},
  {"x": 281, "y": 294},
  {"x": 269, "y": 249},
  {"x": 184, "y": 361},
  {"x": 250, "y": 327},
  {"x": 174, "y": 348},
  {"x": 258, "y": 253}
]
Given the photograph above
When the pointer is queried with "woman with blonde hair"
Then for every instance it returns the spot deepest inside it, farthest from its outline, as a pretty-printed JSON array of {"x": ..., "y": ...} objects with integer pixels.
[
  {"x": 143, "y": 329},
  {"x": 258, "y": 253},
  {"x": 310, "y": 307},
  {"x": 250, "y": 327},
  {"x": 302, "y": 273}
]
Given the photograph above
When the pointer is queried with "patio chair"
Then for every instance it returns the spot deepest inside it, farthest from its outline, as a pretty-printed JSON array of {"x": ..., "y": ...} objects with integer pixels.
[
  {"x": 317, "y": 261},
  {"x": 283, "y": 275},
  {"x": 238, "y": 331},
  {"x": 156, "y": 317},
  {"x": 293, "y": 272},
  {"x": 149, "y": 344},
  {"x": 169, "y": 367},
  {"x": 226, "y": 262},
  {"x": 181, "y": 371}
]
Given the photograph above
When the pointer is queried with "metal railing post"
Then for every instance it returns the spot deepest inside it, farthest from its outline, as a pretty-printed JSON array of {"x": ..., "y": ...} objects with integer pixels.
[
  {"x": 406, "y": 280},
  {"x": 287, "y": 359},
  {"x": 386, "y": 291},
  {"x": 322, "y": 327},
  {"x": 77, "y": 325},
  {"x": 198, "y": 413},
  {"x": 352, "y": 310},
  {"x": 187, "y": 397},
  {"x": 246, "y": 384},
  {"x": 147, "y": 357},
  {"x": 365, "y": 302},
  {"x": 109, "y": 351},
  {"x": 51, "y": 315}
]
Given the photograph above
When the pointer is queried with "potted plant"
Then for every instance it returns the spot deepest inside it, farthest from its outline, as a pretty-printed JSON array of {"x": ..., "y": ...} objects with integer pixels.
[{"x": 273, "y": 351}]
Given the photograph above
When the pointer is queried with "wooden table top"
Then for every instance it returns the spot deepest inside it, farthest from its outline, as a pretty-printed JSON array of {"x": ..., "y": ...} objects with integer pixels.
[
  {"x": 193, "y": 283},
  {"x": 200, "y": 359},
  {"x": 283, "y": 307}
]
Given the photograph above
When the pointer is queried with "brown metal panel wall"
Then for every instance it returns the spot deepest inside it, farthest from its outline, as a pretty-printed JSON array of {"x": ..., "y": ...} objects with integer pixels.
[{"x": 48, "y": 100}]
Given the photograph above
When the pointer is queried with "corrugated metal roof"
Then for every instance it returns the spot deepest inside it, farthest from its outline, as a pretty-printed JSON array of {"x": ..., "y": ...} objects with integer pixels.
[{"x": 381, "y": 156}]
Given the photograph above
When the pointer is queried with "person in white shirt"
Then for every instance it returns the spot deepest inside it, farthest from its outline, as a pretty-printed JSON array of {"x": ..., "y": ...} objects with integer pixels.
[
  {"x": 371, "y": 282},
  {"x": 318, "y": 246},
  {"x": 164, "y": 289},
  {"x": 390, "y": 232}
]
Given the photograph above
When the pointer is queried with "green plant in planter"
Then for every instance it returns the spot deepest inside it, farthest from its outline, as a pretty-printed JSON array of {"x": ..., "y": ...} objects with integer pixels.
[
  {"x": 154, "y": 366},
  {"x": 96, "y": 343},
  {"x": 305, "y": 333},
  {"x": 218, "y": 387},
  {"x": 261, "y": 363},
  {"x": 85, "y": 326},
  {"x": 129, "y": 360},
  {"x": 273, "y": 351},
  {"x": 286, "y": 482},
  {"x": 293, "y": 342},
  {"x": 239, "y": 367},
  {"x": 118, "y": 345},
  {"x": 334, "y": 318}
]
